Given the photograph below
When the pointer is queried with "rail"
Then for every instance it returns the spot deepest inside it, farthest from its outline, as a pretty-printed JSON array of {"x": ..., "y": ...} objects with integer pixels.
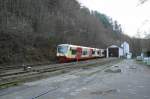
[{"x": 20, "y": 76}]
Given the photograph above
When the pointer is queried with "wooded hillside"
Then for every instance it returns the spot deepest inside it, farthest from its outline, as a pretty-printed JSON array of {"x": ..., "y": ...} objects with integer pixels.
[{"x": 30, "y": 30}]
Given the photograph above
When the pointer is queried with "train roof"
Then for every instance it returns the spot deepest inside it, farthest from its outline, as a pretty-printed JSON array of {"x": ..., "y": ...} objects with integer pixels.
[
  {"x": 77, "y": 46},
  {"x": 63, "y": 44},
  {"x": 73, "y": 45}
]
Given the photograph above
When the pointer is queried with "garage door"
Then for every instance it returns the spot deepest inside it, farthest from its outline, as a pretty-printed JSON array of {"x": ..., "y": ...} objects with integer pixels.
[{"x": 113, "y": 52}]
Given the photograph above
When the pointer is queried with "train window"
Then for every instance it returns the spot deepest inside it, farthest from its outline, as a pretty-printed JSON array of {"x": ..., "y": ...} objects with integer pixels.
[
  {"x": 73, "y": 51},
  {"x": 62, "y": 49},
  {"x": 103, "y": 52},
  {"x": 98, "y": 52},
  {"x": 93, "y": 52},
  {"x": 84, "y": 52}
]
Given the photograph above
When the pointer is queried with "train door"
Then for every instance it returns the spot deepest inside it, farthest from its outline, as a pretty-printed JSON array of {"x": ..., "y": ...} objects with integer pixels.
[
  {"x": 79, "y": 53},
  {"x": 90, "y": 54}
]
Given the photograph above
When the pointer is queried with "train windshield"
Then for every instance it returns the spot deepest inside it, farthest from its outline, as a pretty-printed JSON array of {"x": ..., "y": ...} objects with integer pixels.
[{"x": 62, "y": 49}]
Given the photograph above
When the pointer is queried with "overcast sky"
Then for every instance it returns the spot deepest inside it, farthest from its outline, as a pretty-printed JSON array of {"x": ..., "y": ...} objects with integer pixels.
[{"x": 128, "y": 13}]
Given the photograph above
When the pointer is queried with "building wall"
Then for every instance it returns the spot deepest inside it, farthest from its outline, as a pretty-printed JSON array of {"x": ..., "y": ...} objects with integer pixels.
[
  {"x": 126, "y": 48},
  {"x": 120, "y": 52}
]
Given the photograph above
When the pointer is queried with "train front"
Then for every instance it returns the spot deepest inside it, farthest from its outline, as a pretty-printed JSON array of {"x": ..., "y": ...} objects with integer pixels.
[{"x": 62, "y": 52}]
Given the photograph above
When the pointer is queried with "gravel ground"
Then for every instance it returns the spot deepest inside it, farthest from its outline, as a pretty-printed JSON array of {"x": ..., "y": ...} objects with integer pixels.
[{"x": 123, "y": 80}]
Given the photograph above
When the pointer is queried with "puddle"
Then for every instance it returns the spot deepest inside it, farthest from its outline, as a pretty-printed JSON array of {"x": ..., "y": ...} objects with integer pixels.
[
  {"x": 132, "y": 67},
  {"x": 86, "y": 68},
  {"x": 113, "y": 70},
  {"x": 106, "y": 92},
  {"x": 78, "y": 91},
  {"x": 132, "y": 91},
  {"x": 115, "y": 66}
]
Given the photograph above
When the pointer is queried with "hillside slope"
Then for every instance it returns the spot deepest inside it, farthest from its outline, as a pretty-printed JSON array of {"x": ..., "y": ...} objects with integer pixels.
[{"x": 31, "y": 29}]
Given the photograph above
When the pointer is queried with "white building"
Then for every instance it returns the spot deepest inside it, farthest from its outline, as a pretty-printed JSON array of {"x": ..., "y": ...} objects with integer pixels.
[
  {"x": 125, "y": 47},
  {"x": 116, "y": 51}
]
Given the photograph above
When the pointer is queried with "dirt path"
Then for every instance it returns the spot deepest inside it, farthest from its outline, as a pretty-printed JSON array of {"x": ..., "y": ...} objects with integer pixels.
[{"x": 124, "y": 80}]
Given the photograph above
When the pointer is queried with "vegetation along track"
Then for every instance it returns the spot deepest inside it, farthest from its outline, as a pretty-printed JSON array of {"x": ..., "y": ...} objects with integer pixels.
[{"x": 18, "y": 76}]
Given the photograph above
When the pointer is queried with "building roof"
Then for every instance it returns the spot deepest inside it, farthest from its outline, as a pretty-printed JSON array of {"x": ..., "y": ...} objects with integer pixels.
[
  {"x": 114, "y": 46},
  {"x": 118, "y": 44}
]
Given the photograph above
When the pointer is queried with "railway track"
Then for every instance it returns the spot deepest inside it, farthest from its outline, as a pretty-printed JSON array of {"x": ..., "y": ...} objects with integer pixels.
[
  {"x": 53, "y": 67},
  {"x": 37, "y": 71},
  {"x": 5, "y": 68}
]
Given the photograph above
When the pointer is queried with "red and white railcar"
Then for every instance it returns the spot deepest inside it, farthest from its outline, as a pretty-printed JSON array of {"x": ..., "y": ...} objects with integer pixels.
[{"x": 68, "y": 52}]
